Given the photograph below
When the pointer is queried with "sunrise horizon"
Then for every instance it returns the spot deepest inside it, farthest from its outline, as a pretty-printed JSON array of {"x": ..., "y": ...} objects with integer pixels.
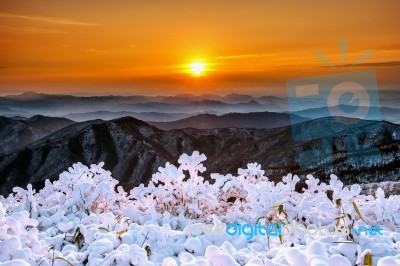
[{"x": 81, "y": 48}]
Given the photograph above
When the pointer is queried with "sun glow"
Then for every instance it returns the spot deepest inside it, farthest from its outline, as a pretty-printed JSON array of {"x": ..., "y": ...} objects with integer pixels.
[{"x": 197, "y": 68}]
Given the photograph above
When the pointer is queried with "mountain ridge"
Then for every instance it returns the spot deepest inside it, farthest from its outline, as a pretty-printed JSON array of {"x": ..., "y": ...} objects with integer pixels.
[
  {"x": 266, "y": 120},
  {"x": 133, "y": 150},
  {"x": 17, "y": 133}
]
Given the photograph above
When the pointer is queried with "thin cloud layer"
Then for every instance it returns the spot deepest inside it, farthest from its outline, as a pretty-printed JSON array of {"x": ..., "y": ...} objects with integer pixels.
[
  {"x": 53, "y": 20},
  {"x": 241, "y": 56}
]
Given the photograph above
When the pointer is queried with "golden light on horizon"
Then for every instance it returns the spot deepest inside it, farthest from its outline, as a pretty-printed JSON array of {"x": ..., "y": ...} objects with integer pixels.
[
  {"x": 197, "y": 68},
  {"x": 247, "y": 49}
]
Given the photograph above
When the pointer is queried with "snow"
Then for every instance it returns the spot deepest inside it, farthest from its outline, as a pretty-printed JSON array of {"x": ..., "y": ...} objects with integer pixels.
[{"x": 84, "y": 218}]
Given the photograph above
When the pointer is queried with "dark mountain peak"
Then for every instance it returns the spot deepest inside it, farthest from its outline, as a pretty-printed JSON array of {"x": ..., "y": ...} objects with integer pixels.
[
  {"x": 42, "y": 118},
  {"x": 207, "y": 115},
  {"x": 112, "y": 128},
  {"x": 133, "y": 125},
  {"x": 4, "y": 119},
  {"x": 130, "y": 120},
  {"x": 36, "y": 118},
  {"x": 265, "y": 120},
  {"x": 207, "y": 101},
  {"x": 237, "y": 98},
  {"x": 47, "y": 123},
  {"x": 32, "y": 96},
  {"x": 253, "y": 102},
  {"x": 16, "y": 134},
  {"x": 28, "y": 95},
  {"x": 209, "y": 96}
]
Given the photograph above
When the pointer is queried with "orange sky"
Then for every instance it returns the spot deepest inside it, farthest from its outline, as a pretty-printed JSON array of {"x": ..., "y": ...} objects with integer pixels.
[{"x": 145, "y": 47}]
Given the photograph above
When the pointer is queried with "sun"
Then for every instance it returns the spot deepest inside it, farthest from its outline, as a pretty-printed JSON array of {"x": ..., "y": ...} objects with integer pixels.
[{"x": 197, "y": 68}]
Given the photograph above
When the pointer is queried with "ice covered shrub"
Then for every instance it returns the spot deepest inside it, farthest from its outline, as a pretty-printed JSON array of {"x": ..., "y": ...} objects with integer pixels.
[
  {"x": 79, "y": 190},
  {"x": 172, "y": 191},
  {"x": 232, "y": 191},
  {"x": 230, "y": 188}
]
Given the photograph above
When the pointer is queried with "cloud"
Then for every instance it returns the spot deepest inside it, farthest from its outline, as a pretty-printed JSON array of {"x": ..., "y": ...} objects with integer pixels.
[
  {"x": 373, "y": 64},
  {"x": 32, "y": 30},
  {"x": 96, "y": 51},
  {"x": 241, "y": 56},
  {"x": 379, "y": 64},
  {"x": 51, "y": 20}
]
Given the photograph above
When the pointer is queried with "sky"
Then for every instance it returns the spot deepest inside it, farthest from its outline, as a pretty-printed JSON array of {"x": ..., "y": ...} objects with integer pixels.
[{"x": 133, "y": 47}]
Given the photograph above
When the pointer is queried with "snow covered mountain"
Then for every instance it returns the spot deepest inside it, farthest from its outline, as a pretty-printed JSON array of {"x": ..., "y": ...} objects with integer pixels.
[
  {"x": 17, "y": 133},
  {"x": 132, "y": 150}
]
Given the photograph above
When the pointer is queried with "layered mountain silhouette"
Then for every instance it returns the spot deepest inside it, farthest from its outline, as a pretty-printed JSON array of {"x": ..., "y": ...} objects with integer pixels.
[
  {"x": 133, "y": 150},
  {"x": 16, "y": 133},
  {"x": 247, "y": 120},
  {"x": 61, "y": 105},
  {"x": 145, "y": 116},
  {"x": 375, "y": 113},
  {"x": 170, "y": 108}
]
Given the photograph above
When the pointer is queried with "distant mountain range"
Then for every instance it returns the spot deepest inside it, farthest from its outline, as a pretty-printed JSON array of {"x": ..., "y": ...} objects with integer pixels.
[
  {"x": 195, "y": 107},
  {"x": 33, "y": 100},
  {"x": 133, "y": 150},
  {"x": 31, "y": 103},
  {"x": 145, "y": 116},
  {"x": 265, "y": 120},
  {"x": 172, "y": 108},
  {"x": 375, "y": 113},
  {"x": 231, "y": 130}
]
